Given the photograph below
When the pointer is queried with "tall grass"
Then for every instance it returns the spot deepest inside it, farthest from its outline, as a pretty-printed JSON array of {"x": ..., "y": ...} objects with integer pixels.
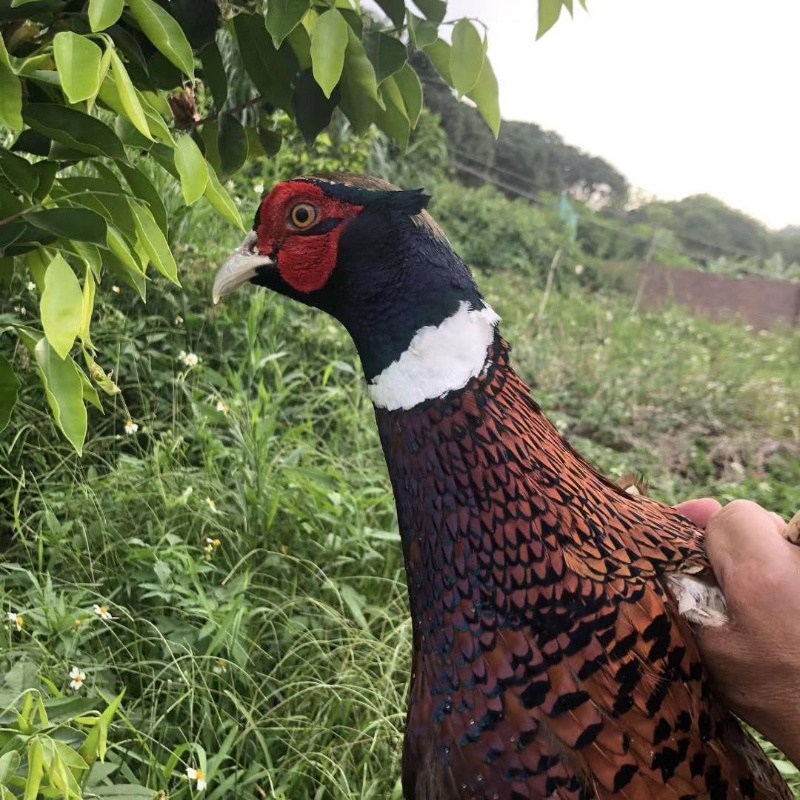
[{"x": 244, "y": 538}]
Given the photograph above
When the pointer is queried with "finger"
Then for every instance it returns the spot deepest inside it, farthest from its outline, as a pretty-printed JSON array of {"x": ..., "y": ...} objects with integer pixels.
[
  {"x": 699, "y": 511},
  {"x": 779, "y": 521},
  {"x": 741, "y": 535}
]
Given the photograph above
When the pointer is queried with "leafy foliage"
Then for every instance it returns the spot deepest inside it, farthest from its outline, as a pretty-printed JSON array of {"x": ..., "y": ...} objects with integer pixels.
[{"x": 102, "y": 103}]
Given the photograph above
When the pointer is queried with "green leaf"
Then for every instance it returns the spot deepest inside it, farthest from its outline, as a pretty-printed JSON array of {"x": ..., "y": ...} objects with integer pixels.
[
  {"x": 387, "y": 54},
  {"x": 71, "y": 223},
  {"x": 127, "y": 95},
  {"x": 393, "y": 119},
  {"x": 101, "y": 378},
  {"x": 485, "y": 95},
  {"x": 78, "y": 63},
  {"x": 129, "y": 135},
  {"x": 10, "y": 99},
  {"x": 216, "y": 195},
  {"x": 467, "y": 55},
  {"x": 165, "y": 33},
  {"x": 61, "y": 306},
  {"x": 87, "y": 307},
  {"x": 231, "y": 144},
  {"x": 410, "y": 87},
  {"x": 87, "y": 252},
  {"x": 142, "y": 187},
  {"x": 22, "y": 175},
  {"x": 4, "y": 57},
  {"x": 439, "y": 54},
  {"x": 192, "y": 168},
  {"x": 104, "y": 13},
  {"x": 355, "y": 602},
  {"x": 549, "y": 12},
  {"x": 119, "y": 247},
  {"x": 64, "y": 390},
  {"x": 155, "y": 122},
  {"x": 313, "y": 109},
  {"x": 359, "y": 86},
  {"x": 9, "y": 386},
  {"x": 214, "y": 73},
  {"x": 46, "y": 172},
  {"x": 136, "y": 280},
  {"x": 35, "y": 765},
  {"x": 73, "y": 128},
  {"x": 395, "y": 10},
  {"x": 300, "y": 42},
  {"x": 328, "y": 44},
  {"x": 283, "y": 16},
  {"x": 271, "y": 70},
  {"x": 421, "y": 32},
  {"x": 433, "y": 10},
  {"x": 270, "y": 140},
  {"x": 154, "y": 241}
]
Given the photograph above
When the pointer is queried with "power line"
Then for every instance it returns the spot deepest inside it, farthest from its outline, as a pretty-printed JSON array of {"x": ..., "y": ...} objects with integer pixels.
[
  {"x": 721, "y": 249},
  {"x": 593, "y": 219}
]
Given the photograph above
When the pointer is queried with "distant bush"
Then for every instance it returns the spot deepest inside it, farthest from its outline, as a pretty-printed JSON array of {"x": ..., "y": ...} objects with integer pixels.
[{"x": 491, "y": 232}]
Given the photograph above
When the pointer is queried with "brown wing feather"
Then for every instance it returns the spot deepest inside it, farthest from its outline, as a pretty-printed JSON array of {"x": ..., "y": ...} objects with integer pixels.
[{"x": 550, "y": 659}]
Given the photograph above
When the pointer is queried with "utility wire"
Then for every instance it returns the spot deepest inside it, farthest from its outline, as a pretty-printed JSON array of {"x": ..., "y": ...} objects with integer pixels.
[
  {"x": 594, "y": 220},
  {"x": 464, "y": 168}
]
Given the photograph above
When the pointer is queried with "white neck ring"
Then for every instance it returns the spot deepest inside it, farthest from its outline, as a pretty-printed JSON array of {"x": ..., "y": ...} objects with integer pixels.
[{"x": 440, "y": 359}]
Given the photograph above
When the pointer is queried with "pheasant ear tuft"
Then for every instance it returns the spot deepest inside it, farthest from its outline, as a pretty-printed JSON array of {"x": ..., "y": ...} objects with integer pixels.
[{"x": 409, "y": 202}]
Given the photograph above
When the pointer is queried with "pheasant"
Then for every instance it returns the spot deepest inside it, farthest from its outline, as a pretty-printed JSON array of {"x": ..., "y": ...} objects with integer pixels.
[{"x": 552, "y": 656}]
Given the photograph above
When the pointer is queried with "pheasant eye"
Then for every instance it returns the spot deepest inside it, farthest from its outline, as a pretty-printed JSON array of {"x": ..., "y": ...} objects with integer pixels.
[{"x": 303, "y": 216}]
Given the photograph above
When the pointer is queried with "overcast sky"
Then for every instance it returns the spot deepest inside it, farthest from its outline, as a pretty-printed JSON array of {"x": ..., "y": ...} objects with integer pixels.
[{"x": 682, "y": 96}]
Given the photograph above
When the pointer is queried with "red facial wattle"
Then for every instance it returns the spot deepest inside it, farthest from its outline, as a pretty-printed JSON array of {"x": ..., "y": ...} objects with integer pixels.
[{"x": 305, "y": 259}]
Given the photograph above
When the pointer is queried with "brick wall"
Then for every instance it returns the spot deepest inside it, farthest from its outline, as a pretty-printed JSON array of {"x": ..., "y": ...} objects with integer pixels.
[{"x": 760, "y": 302}]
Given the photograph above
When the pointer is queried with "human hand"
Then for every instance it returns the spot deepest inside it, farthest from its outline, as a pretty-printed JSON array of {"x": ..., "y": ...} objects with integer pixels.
[{"x": 754, "y": 660}]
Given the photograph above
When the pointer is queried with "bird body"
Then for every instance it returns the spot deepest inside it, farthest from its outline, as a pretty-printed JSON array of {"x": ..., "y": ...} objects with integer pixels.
[{"x": 550, "y": 654}]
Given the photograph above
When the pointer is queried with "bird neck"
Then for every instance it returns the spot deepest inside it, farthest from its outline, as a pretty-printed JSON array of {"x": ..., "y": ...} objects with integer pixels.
[
  {"x": 439, "y": 359},
  {"x": 395, "y": 282},
  {"x": 470, "y": 471}
]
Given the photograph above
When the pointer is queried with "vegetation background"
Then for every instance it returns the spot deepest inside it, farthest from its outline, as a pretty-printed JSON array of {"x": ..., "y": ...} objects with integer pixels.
[{"x": 211, "y": 597}]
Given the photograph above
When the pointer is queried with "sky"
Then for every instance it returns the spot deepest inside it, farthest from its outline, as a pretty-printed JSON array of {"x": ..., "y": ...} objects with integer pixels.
[{"x": 681, "y": 96}]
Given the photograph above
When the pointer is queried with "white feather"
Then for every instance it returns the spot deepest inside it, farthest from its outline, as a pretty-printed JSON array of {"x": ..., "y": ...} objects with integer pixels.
[
  {"x": 439, "y": 359},
  {"x": 699, "y": 602}
]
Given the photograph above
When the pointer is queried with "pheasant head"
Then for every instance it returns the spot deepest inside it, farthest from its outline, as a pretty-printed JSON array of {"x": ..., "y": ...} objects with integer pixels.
[{"x": 370, "y": 255}]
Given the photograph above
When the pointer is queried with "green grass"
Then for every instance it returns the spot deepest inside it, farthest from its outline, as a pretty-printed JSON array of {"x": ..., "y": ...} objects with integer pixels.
[{"x": 278, "y": 659}]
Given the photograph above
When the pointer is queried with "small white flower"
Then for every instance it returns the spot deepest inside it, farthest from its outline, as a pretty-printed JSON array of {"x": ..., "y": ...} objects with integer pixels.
[
  {"x": 188, "y": 359},
  {"x": 31, "y": 286},
  {"x": 16, "y": 620},
  {"x": 77, "y": 677},
  {"x": 259, "y": 188},
  {"x": 178, "y": 319},
  {"x": 196, "y": 775},
  {"x": 212, "y": 505},
  {"x": 102, "y": 612},
  {"x": 20, "y": 310},
  {"x": 223, "y": 407},
  {"x": 131, "y": 427},
  {"x": 578, "y": 269},
  {"x": 561, "y": 425},
  {"x": 220, "y": 666},
  {"x": 116, "y": 289}
]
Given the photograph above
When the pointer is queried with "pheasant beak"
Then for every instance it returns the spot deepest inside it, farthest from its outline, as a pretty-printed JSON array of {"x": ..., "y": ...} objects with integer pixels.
[{"x": 240, "y": 267}]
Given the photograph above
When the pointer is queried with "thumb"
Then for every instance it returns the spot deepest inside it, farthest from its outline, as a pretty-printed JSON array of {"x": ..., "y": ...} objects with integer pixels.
[
  {"x": 699, "y": 511},
  {"x": 744, "y": 539}
]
